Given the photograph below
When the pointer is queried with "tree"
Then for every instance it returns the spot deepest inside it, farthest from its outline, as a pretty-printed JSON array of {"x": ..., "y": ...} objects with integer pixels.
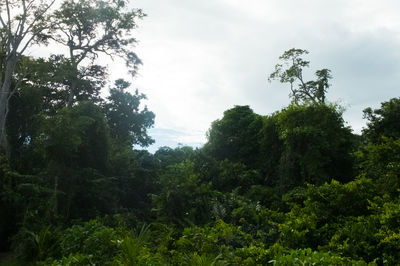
[
  {"x": 127, "y": 122},
  {"x": 42, "y": 90},
  {"x": 76, "y": 137},
  {"x": 24, "y": 108},
  {"x": 21, "y": 24},
  {"x": 235, "y": 176},
  {"x": 384, "y": 121},
  {"x": 379, "y": 157},
  {"x": 291, "y": 71},
  {"x": 271, "y": 148},
  {"x": 235, "y": 136},
  {"x": 90, "y": 28},
  {"x": 167, "y": 156},
  {"x": 56, "y": 76},
  {"x": 182, "y": 196},
  {"x": 381, "y": 162},
  {"x": 317, "y": 145},
  {"x": 75, "y": 146},
  {"x": 135, "y": 172}
]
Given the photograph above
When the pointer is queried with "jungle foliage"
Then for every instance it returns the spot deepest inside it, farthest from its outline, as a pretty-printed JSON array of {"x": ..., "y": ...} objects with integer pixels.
[{"x": 77, "y": 187}]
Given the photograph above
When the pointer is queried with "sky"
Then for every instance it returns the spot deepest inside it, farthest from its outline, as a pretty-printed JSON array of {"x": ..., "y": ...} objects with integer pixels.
[{"x": 201, "y": 58}]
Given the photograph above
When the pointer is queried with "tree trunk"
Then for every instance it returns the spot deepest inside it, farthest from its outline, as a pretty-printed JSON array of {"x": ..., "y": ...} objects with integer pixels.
[
  {"x": 72, "y": 92},
  {"x": 4, "y": 97},
  {"x": 73, "y": 77}
]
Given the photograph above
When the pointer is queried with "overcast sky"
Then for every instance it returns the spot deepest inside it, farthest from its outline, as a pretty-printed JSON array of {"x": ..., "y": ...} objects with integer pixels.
[{"x": 203, "y": 57}]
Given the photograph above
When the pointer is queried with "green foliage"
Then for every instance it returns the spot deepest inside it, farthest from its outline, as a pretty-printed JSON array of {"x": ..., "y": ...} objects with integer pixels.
[
  {"x": 388, "y": 216},
  {"x": 271, "y": 149},
  {"x": 127, "y": 122},
  {"x": 235, "y": 175},
  {"x": 334, "y": 199},
  {"x": 182, "y": 197},
  {"x": 84, "y": 128},
  {"x": 261, "y": 191},
  {"x": 24, "y": 206},
  {"x": 356, "y": 238},
  {"x": 383, "y": 121},
  {"x": 95, "y": 26},
  {"x": 202, "y": 260},
  {"x": 235, "y": 136},
  {"x": 212, "y": 239},
  {"x": 93, "y": 240},
  {"x": 36, "y": 245},
  {"x": 374, "y": 237},
  {"x": 324, "y": 210},
  {"x": 137, "y": 174},
  {"x": 265, "y": 196},
  {"x": 258, "y": 221},
  {"x": 134, "y": 250},
  {"x": 308, "y": 257},
  {"x": 317, "y": 145},
  {"x": 381, "y": 162},
  {"x": 8, "y": 203},
  {"x": 76, "y": 259},
  {"x": 216, "y": 244},
  {"x": 252, "y": 255},
  {"x": 168, "y": 156}
]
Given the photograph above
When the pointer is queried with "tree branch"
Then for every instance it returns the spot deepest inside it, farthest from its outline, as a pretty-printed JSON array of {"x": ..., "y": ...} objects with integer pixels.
[
  {"x": 37, "y": 17},
  {"x": 26, "y": 45},
  {"x": 2, "y": 22},
  {"x": 20, "y": 29},
  {"x": 8, "y": 16}
]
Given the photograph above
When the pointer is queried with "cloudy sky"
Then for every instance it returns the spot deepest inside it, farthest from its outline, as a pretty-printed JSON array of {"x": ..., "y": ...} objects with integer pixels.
[{"x": 203, "y": 57}]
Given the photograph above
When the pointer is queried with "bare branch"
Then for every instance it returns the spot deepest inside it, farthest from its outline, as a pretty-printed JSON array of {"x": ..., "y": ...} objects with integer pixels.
[
  {"x": 20, "y": 29},
  {"x": 30, "y": 4},
  {"x": 8, "y": 16},
  {"x": 26, "y": 45},
  {"x": 36, "y": 18},
  {"x": 2, "y": 22}
]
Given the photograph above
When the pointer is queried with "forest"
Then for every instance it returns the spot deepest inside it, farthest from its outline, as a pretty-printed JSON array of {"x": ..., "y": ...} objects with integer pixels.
[{"x": 78, "y": 187}]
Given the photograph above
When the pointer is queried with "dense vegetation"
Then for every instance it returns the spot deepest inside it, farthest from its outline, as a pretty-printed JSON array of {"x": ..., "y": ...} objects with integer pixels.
[{"x": 295, "y": 187}]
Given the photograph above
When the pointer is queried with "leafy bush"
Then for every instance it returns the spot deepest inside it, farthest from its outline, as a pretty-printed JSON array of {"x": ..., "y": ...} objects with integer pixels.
[
  {"x": 73, "y": 260},
  {"x": 91, "y": 239},
  {"x": 302, "y": 257},
  {"x": 313, "y": 224},
  {"x": 134, "y": 250}
]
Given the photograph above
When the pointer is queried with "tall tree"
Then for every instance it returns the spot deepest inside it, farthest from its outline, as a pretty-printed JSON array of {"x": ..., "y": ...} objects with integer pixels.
[
  {"x": 42, "y": 90},
  {"x": 90, "y": 28},
  {"x": 317, "y": 145},
  {"x": 291, "y": 71},
  {"x": 128, "y": 123},
  {"x": 21, "y": 24}
]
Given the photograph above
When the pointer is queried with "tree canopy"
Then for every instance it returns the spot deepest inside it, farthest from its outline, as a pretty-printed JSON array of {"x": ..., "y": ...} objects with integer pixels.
[
  {"x": 87, "y": 28},
  {"x": 384, "y": 121},
  {"x": 234, "y": 137}
]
